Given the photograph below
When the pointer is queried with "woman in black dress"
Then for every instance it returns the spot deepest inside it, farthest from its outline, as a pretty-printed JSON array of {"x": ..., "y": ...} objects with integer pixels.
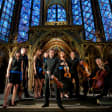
[
  {"x": 14, "y": 74},
  {"x": 62, "y": 71},
  {"x": 38, "y": 71}
]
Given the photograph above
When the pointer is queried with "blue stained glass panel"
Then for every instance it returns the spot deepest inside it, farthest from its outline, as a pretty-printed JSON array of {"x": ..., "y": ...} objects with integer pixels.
[
  {"x": 76, "y": 12},
  {"x": 56, "y": 13},
  {"x": 61, "y": 13},
  {"x": 36, "y": 13},
  {"x": 51, "y": 14},
  {"x": 1, "y": 3},
  {"x": 6, "y": 17},
  {"x": 88, "y": 20},
  {"x": 24, "y": 21},
  {"x": 106, "y": 14}
]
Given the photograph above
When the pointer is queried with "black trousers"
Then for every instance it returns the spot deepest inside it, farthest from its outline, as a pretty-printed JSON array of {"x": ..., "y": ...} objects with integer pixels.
[
  {"x": 107, "y": 84},
  {"x": 25, "y": 86},
  {"x": 47, "y": 91},
  {"x": 75, "y": 76},
  {"x": 86, "y": 87}
]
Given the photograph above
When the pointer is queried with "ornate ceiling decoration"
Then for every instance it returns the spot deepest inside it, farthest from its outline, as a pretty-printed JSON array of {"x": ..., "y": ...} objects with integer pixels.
[{"x": 58, "y": 44}]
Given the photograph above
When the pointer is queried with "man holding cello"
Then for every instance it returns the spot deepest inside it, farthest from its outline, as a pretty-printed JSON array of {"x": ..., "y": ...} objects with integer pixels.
[{"x": 102, "y": 78}]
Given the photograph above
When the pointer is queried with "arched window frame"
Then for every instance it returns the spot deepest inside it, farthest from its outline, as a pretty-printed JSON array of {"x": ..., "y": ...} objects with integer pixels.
[{"x": 56, "y": 10}]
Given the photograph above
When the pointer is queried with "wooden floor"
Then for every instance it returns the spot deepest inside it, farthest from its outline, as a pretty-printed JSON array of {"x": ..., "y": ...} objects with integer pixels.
[{"x": 81, "y": 104}]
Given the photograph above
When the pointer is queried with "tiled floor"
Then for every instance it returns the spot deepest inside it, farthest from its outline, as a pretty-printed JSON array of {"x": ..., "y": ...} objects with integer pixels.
[{"x": 75, "y": 104}]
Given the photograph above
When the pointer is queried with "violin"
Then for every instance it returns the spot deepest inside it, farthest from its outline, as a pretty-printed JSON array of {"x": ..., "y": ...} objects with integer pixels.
[{"x": 67, "y": 74}]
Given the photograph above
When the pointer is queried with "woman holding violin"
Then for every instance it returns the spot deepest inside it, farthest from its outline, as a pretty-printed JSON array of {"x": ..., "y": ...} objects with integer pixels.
[{"x": 62, "y": 69}]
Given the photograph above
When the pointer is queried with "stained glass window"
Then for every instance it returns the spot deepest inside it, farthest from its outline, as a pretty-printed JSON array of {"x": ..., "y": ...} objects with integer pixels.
[
  {"x": 76, "y": 12},
  {"x": 88, "y": 20},
  {"x": 36, "y": 13},
  {"x": 56, "y": 13},
  {"x": 106, "y": 17},
  {"x": 6, "y": 17},
  {"x": 61, "y": 13},
  {"x": 24, "y": 21},
  {"x": 1, "y": 3},
  {"x": 51, "y": 14}
]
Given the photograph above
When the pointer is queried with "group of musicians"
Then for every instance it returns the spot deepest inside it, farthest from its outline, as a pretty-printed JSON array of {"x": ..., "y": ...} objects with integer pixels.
[{"x": 57, "y": 67}]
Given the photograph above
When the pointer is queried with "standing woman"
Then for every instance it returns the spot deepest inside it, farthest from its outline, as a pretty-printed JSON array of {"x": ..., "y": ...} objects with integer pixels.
[
  {"x": 45, "y": 57},
  {"x": 38, "y": 73},
  {"x": 62, "y": 69},
  {"x": 14, "y": 74}
]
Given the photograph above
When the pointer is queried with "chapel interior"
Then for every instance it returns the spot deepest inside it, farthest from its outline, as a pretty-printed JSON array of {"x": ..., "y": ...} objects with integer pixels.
[{"x": 84, "y": 26}]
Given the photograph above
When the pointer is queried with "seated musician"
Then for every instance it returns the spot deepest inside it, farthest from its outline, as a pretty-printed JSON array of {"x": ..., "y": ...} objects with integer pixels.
[
  {"x": 83, "y": 75},
  {"x": 62, "y": 70},
  {"x": 102, "y": 79}
]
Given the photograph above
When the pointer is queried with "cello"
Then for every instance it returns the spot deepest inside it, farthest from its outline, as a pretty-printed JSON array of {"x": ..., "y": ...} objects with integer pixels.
[
  {"x": 98, "y": 80},
  {"x": 83, "y": 71}
]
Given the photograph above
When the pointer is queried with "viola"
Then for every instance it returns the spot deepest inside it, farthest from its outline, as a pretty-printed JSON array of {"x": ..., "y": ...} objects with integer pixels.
[{"x": 67, "y": 74}]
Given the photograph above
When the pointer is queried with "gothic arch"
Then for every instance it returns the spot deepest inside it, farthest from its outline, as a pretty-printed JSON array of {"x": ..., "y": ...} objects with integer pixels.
[
  {"x": 73, "y": 42},
  {"x": 61, "y": 2}
]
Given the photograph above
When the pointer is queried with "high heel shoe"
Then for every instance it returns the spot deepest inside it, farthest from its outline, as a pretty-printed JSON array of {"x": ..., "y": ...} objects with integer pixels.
[
  {"x": 4, "y": 106},
  {"x": 13, "y": 105}
]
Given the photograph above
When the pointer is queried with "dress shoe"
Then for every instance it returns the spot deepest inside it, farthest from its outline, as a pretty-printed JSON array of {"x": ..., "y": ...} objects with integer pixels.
[
  {"x": 27, "y": 96},
  {"x": 60, "y": 106},
  {"x": 45, "y": 105}
]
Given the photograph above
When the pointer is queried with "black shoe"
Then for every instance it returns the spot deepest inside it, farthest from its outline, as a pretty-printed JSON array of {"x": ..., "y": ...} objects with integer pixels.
[
  {"x": 45, "y": 105},
  {"x": 10, "y": 104},
  {"x": 77, "y": 96},
  {"x": 99, "y": 96},
  {"x": 60, "y": 106},
  {"x": 27, "y": 96}
]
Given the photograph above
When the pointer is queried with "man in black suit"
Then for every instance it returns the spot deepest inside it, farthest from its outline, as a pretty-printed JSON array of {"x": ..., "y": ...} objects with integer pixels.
[
  {"x": 73, "y": 62},
  {"x": 49, "y": 69},
  {"x": 24, "y": 58}
]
